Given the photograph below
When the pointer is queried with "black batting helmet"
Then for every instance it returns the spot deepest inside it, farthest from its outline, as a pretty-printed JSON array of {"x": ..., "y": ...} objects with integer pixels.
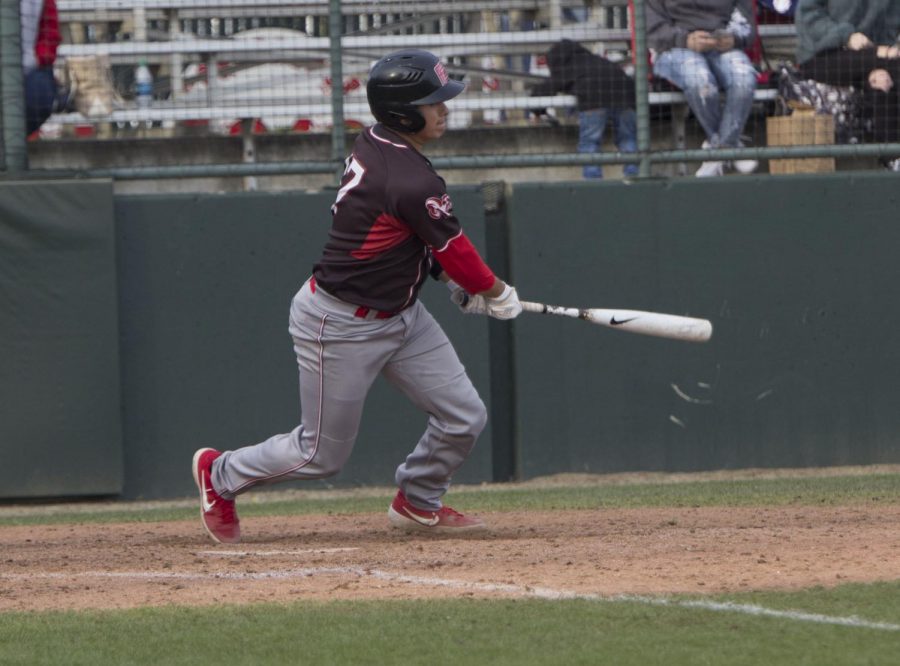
[{"x": 403, "y": 80}]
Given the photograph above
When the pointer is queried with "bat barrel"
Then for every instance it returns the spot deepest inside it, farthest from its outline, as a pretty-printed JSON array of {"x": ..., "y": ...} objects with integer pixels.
[
  {"x": 658, "y": 324},
  {"x": 675, "y": 327}
]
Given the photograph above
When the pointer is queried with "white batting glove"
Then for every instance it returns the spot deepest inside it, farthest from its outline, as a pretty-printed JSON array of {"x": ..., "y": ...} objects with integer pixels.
[{"x": 504, "y": 306}]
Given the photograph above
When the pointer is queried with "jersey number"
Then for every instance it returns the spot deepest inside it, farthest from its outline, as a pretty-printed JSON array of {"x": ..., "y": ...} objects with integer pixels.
[{"x": 358, "y": 171}]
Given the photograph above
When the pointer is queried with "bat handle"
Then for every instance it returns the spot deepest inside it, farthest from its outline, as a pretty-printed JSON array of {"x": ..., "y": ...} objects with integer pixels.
[{"x": 529, "y": 306}]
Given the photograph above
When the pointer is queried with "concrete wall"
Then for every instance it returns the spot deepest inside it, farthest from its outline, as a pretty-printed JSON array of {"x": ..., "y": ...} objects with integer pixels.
[{"x": 127, "y": 149}]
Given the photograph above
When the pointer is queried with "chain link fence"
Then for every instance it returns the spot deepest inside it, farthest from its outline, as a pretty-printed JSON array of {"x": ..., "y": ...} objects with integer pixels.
[{"x": 256, "y": 90}]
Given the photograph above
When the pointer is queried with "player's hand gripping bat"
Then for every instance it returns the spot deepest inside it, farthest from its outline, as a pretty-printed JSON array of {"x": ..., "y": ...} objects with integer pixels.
[{"x": 657, "y": 324}]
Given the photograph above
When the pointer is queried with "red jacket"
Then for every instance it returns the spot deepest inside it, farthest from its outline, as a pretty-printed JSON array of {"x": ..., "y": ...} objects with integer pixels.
[{"x": 48, "y": 37}]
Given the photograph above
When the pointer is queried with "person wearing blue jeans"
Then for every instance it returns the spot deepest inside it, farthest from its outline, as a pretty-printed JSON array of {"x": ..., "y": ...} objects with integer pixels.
[
  {"x": 591, "y": 127},
  {"x": 699, "y": 48},
  {"x": 603, "y": 91}
]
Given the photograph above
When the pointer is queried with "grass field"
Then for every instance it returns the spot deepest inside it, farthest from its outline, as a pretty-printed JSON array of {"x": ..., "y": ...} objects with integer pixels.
[
  {"x": 784, "y": 491},
  {"x": 844, "y": 624}
]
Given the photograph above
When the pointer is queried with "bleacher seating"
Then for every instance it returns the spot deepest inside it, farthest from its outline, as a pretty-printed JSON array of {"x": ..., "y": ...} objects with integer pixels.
[{"x": 174, "y": 49}]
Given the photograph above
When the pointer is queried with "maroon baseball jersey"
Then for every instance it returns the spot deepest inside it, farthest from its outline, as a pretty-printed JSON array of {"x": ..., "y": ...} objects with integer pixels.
[{"x": 391, "y": 212}]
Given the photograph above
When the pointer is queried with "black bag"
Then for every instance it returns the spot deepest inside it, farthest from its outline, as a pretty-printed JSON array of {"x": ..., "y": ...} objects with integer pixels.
[{"x": 843, "y": 103}]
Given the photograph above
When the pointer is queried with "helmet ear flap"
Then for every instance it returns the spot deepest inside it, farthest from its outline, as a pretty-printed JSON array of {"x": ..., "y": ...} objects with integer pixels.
[
  {"x": 402, "y": 119},
  {"x": 414, "y": 121}
]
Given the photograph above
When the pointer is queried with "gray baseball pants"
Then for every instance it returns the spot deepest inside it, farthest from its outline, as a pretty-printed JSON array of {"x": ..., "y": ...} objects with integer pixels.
[{"x": 339, "y": 355}]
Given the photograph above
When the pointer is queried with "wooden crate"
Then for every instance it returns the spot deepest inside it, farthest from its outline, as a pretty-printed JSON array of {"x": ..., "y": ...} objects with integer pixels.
[{"x": 801, "y": 128}]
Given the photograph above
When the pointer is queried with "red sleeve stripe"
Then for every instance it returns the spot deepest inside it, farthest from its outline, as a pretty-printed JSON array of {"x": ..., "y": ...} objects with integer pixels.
[{"x": 464, "y": 265}]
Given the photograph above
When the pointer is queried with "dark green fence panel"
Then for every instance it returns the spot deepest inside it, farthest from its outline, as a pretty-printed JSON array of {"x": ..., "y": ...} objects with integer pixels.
[
  {"x": 60, "y": 422},
  {"x": 205, "y": 287},
  {"x": 801, "y": 280},
  {"x": 798, "y": 274}
]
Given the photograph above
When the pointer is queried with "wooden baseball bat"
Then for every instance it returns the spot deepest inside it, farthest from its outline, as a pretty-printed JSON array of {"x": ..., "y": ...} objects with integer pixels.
[{"x": 675, "y": 327}]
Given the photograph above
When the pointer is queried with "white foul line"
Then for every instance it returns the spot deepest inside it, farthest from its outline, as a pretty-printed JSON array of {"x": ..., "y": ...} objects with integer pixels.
[
  {"x": 272, "y": 553},
  {"x": 519, "y": 590},
  {"x": 726, "y": 606},
  {"x": 752, "y": 609}
]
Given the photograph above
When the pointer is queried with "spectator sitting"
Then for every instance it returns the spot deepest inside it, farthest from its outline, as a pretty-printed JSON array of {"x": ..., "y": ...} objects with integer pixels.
[
  {"x": 699, "y": 48},
  {"x": 603, "y": 90},
  {"x": 853, "y": 43},
  {"x": 40, "y": 39}
]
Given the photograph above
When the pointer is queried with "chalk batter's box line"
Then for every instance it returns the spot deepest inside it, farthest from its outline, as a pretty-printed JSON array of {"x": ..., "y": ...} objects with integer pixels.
[{"x": 506, "y": 588}]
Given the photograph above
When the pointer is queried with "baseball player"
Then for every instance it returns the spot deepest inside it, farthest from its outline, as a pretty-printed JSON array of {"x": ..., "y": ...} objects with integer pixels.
[{"x": 358, "y": 315}]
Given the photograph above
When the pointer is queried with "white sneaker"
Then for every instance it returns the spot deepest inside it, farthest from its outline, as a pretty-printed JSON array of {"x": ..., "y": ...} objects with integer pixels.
[
  {"x": 708, "y": 169},
  {"x": 712, "y": 168},
  {"x": 745, "y": 166}
]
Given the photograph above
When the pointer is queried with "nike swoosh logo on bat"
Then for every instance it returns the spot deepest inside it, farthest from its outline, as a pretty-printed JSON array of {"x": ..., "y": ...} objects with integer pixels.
[
  {"x": 618, "y": 322},
  {"x": 428, "y": 522}
]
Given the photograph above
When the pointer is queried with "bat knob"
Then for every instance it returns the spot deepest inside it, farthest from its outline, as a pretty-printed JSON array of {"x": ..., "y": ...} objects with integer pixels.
[{"x": 460, "y": 297}]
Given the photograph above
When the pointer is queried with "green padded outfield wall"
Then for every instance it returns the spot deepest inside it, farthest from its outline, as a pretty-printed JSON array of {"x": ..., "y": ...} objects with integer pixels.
[
  {"x": 205, "y": 284},
  {"x": 799, "y": 275},
  {"x": 801, "y": 279},
  {"x": 60, "y": 418}
]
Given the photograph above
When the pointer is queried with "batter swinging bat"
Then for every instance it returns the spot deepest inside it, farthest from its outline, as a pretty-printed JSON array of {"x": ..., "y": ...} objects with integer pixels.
[{"x": 660, "y": 325}]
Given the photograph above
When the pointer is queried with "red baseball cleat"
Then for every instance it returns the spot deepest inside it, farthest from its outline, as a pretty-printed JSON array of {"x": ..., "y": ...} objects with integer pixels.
[
  {"x": 404, "y": 515},
  {"x": 218, "y": 515}
]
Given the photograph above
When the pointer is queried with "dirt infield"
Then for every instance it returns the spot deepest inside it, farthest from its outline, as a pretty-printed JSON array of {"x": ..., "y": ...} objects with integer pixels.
[{"x": 607, "y": 552}]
